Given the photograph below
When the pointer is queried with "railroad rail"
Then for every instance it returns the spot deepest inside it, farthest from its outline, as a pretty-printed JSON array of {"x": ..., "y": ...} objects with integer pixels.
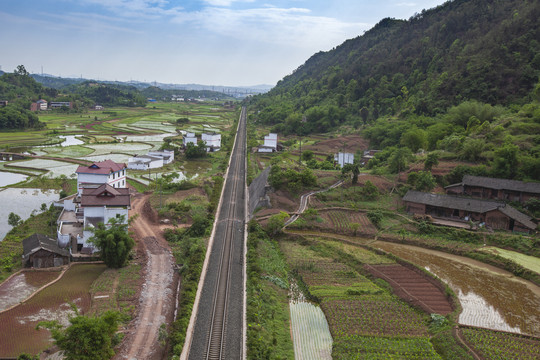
[{"x": 218, "y": 324}]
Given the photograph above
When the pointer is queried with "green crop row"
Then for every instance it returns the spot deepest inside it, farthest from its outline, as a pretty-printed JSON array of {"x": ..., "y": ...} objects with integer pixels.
[
  {"x": 497, "y": 345},
  {"x": 366, "y": 347}
]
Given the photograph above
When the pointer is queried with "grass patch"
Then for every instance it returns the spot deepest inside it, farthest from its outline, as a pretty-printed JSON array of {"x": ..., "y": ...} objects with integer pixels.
[{"x": 268, "y": 314}]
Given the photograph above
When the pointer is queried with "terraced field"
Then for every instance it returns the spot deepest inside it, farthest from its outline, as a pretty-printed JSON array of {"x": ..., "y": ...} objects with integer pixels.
[{"x": 413, "y": 286}]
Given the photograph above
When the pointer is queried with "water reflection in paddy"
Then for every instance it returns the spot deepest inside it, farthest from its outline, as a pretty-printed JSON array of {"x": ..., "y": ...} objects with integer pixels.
[
  {"x": 22, "y": 202},
  {"x": 7, "y": 178},
  {"x": 490, "y": 297}
]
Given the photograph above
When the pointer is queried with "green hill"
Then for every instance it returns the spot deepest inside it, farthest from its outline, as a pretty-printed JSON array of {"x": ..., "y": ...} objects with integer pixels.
[
  {"x": 482, "y": 50},
  {"x": 460, "y": 80}
]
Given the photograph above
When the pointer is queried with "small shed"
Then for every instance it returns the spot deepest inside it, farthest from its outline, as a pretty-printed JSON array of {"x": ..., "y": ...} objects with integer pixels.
[{"x": 40, "y": 251}]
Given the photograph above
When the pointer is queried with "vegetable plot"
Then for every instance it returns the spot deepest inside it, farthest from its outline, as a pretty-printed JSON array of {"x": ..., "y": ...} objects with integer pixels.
[
  {"x": 373, "y": 316},
  {"x": 499, "y": 345},
  {"x": 360, "y": 347}
]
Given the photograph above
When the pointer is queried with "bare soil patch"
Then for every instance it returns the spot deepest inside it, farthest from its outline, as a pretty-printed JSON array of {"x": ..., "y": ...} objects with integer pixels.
[
  {"x": 343, "y": 143},
  {"x": 283, "y": 200}
]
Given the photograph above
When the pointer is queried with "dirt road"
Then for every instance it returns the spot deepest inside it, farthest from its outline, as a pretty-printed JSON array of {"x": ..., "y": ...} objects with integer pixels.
[{"x": 156, "y": 302}]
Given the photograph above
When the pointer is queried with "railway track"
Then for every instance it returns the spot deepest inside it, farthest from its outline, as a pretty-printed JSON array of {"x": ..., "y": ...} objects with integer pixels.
[{"x": 218, "y": 325}]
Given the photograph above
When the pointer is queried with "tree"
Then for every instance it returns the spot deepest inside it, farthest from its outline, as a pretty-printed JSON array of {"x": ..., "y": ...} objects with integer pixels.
[
  {"x": 432, "y": 159},
  {"x": 376, "y": 217},
  {"x": 399, "y": 160},
  {"x": 113, "y": 241},
  {"x": 472, "y": 149},
  {"x": 505, "y": 161},
  {"x": 21, "y": 70},
  {"x": 369, "y": 191},
  {"x": 13, "y": 219},
  {"x": 195, "y": 151},
  {"x": 276, "y": 223},
  {"x": 307, "y": 155},
  {"x": 87, "y": 338},
  {"x": 425, "y": 181},
  {"x": 415, "y": 139}
]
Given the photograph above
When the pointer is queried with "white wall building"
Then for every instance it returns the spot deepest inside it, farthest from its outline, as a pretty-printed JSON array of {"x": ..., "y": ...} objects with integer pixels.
[
  {"x": 270, "y": 143},
  {"x": 344, "y": 158},
  {"x": 144, "y": 162},
  {"x": 166, "y": 155},
  {"x": 190, "y": 138},
  {"x": 212, "y": 141},
  {"x": 104, "y": 172}
]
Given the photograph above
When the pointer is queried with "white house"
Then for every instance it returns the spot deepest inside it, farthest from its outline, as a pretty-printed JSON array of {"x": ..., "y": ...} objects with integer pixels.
[
  {"x": 93, "y": 206},
  {"x": 144, "y": 162},
  {"x": 42, "y": 104},
  {"x": 212, "y": 141},
  {"x": 166, "y": 155},
  {"x": 100, "y": 205},
  {"x": 344, "y": 158},
  {"x": 270, "y": 143},
  {"x": 103, "y": 172},
  {"x": 190, "y": 138}
]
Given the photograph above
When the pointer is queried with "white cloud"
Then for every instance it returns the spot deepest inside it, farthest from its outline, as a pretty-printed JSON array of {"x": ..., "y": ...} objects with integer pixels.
[
  {"x": 225, "y": 2},
  {"x": 293, "y": 26}
]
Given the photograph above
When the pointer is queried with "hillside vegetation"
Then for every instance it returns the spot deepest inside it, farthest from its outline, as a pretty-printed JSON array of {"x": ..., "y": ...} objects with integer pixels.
[{"x": 461, "y": 78}]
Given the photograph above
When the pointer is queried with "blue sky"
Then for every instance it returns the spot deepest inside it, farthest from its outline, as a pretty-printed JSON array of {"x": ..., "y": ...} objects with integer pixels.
[{"x": 212, "y": 42}]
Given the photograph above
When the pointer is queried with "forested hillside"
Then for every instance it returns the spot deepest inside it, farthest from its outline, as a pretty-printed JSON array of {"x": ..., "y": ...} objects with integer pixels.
[
  {"x": 461, "y": 79},
  {"x": 484, "y": 50}
]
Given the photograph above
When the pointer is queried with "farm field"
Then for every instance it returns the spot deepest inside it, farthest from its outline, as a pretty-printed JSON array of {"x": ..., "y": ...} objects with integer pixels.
[
  {"x": 22, "y": 285},
  {"x": 498, "y": 345},
  {"x": 52, "y": 303},
  {"x": 410, "y": 284},
  {"x": 339, "y": 221},
  {"x": 489, "y": 297},
  {"x": 311, "y": 337},
  {"x": 365, "y": 319},
  {"x": 528, "y": 262}
]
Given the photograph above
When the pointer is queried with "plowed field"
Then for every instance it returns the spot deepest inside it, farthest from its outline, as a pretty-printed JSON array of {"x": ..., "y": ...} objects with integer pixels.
[{"x": 413, "y": 287}]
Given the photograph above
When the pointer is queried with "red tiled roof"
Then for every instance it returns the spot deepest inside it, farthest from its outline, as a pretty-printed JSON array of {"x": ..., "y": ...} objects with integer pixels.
[
  {"x": 105, "y": 195},
  {"x": 102, "y": 167}
]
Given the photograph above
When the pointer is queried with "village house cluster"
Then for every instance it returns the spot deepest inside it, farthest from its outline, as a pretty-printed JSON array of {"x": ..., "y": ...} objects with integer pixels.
[
  {"x": 211, "y": 140},
  {"x": 102, "y": 194},
  {"x": 477, "y": 202},
  {"x": 42, "y": 105}
]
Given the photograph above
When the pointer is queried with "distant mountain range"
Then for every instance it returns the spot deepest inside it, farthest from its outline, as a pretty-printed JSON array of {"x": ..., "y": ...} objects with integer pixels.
[{"x": 235, "y": 91}]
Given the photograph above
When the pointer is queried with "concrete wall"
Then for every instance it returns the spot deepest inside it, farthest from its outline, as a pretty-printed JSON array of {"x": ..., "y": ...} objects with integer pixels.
[{"x": 257, "y": 190}]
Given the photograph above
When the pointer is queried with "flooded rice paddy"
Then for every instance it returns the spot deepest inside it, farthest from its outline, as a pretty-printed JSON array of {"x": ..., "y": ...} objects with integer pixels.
[
  {"x": 8, "y": 178},
  {"x": 22, "y": 202},
  {"x": 71, "y": 140},
  {"x": 490, "y": 297},
  {"x": 20, "y": 286}
]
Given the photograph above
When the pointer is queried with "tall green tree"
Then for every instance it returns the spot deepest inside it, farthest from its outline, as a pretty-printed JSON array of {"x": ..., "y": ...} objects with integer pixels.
[
  {"x": 399, "y": 160},
  {"x": 113, "y": 241},
  {"x": 505, "y": 161}
]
